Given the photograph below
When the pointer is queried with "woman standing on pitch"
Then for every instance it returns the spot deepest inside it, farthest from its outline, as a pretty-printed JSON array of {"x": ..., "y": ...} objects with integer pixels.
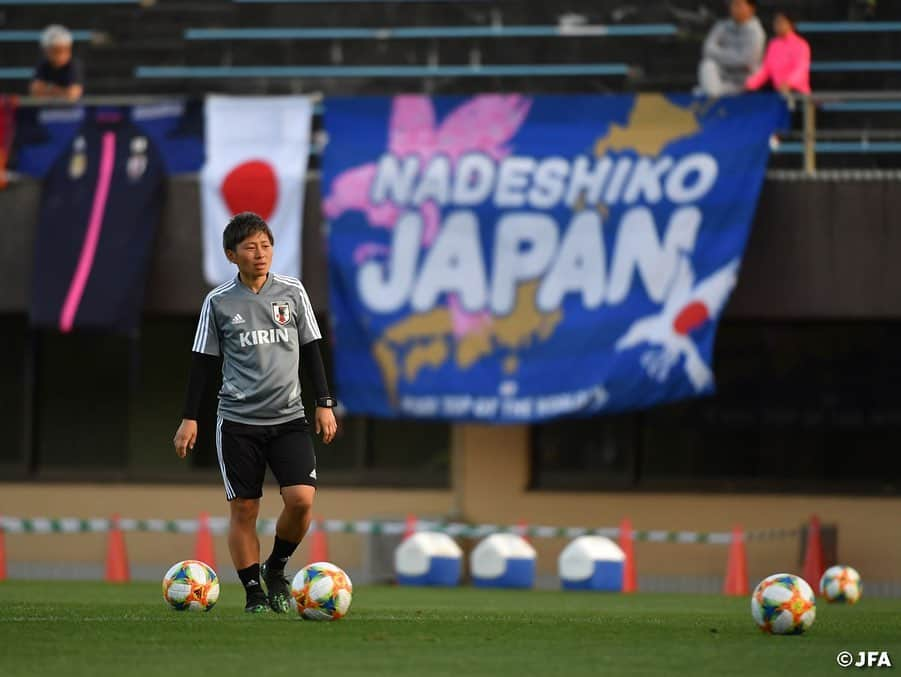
[{"x": 263, "y": 327}]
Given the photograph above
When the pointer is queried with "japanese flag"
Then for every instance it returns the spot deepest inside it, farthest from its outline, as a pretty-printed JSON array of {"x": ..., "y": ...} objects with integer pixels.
[{"x": 256, "y": 160}]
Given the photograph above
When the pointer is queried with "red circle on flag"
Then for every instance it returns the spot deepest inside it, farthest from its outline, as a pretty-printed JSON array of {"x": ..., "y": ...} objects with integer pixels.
[
  {"x": 252, "y": 186},
  {"x": 691, "y": 317}
]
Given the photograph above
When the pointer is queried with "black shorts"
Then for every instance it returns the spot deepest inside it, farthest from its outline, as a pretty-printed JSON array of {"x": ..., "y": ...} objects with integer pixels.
[{"x": 245, "y": 451}]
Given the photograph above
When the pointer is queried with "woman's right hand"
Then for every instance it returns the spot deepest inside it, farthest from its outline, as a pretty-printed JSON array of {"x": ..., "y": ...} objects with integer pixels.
[{"x": 185, "y": 437}]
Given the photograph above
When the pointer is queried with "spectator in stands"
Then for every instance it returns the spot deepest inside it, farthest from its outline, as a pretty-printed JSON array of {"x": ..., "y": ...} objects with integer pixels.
[
  {"x": 59, "y": 74},
  {"x": 732, "y": 51},
  {"x": 786, "y": 65}
]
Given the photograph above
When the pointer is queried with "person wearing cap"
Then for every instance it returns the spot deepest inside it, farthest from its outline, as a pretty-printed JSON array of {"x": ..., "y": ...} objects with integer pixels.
[{"x": 59, "y": 75}]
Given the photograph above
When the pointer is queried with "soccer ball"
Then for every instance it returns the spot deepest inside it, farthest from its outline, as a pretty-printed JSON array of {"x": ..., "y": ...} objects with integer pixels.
[
  {"x": 191, "y": 585},
  {"x": 322, "y": 592},
  {"x": 841, "y": 584},
  {"x": 783, "y": 604}
]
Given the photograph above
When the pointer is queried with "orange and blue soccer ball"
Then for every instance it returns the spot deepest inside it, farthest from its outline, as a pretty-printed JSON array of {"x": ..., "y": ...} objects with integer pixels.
[
  {"x": 783, "y": 604},
  {"x": 191, "y": 586},
  {"x": 322, "y": 592},
  {"x": 841, "y": 584}
]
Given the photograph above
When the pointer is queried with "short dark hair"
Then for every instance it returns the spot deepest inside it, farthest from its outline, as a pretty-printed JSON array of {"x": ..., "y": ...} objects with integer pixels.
[
  {"x": 241, "y": 227},
  {"x": 786, "y": 14}
]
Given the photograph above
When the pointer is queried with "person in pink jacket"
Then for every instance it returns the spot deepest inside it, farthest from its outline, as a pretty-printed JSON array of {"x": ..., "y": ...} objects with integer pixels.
[{"x": 786, "y": 64}]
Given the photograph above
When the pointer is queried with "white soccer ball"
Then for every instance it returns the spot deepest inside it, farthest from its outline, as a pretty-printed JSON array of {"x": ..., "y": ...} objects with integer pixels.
[
  {"x": 191, "y": 585},
  {"x": 841, "y": 584},
  {"x": 322, "y": 592},
  {"x": 783, "y": 604}
]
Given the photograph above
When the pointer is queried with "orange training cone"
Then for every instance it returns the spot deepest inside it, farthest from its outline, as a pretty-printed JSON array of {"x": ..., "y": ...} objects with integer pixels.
[
  {"x": 204, "y": 548},
  {"x": 736, "y": 582},
  {"x": 2, "y": 551},
  {"x": 116, "y": 558},
  {"x": 626, "y": 539},
  {"x": 522, "y": 528},
  {"x": 813, "y": 556},
  {"x": 409, "y": 527},
  {"x": 319, "y": 545}
]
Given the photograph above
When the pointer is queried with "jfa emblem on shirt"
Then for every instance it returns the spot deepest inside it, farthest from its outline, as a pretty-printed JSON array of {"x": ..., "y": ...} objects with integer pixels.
[{"x": 281, "y": 312}]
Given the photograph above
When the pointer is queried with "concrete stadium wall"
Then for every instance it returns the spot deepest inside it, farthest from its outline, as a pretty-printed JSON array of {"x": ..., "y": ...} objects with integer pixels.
[
  {"x": 182, "y": 501},
  {"x": 491, "y": 473},
  {"x": 490, "y": 469}
]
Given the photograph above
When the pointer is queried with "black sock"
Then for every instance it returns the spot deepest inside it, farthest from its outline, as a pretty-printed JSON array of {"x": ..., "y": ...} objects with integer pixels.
[
  {"x": 281, "y": 553},
  {"x": 250, "y": 579}
]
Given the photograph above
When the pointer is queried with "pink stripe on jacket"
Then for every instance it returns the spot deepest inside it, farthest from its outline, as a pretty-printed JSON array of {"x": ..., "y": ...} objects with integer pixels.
[
  {"x": 787, "y": 62},
  {"x": 92, "y": 235}
]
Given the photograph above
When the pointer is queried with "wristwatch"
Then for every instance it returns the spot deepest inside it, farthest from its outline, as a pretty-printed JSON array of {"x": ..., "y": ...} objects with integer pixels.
[{"x": 326, "y": 402}]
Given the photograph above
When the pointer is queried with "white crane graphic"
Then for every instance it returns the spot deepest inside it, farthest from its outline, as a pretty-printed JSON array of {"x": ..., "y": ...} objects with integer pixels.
[{"x": 687, "y": 307}]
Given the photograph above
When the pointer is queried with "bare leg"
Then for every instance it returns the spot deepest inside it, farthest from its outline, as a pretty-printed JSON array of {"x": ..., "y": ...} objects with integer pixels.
[
  {"x": 243, "y": 543},
  {"x": 294, "y": 520}
]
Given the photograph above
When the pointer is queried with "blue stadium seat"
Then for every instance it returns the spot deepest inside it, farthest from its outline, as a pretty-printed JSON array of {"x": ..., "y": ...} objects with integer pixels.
[
  {"x": 406, "y": 33},
  {"x": 25, "y": 3},
  {"x": 35, "y": 36},
  {"x": 842, "y": 147},
  {"x": 322, "y": 2},
  {"x": 14, "y": 73},
  {"x": 849, "y": 26},
  {"x": 861, "y": 106},
  {"x": 854, "y": 66},
  {"x": 450, "y": 71}
]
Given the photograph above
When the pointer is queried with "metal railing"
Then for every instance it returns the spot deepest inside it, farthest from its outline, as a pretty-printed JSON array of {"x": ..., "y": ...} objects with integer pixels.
[{"x": 810, "y": 141}]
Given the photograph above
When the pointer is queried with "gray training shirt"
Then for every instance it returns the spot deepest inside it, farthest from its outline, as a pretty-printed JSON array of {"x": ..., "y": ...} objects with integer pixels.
[
  {"x": 259, "y": 337},
  {"x": 736, "y": 48}
]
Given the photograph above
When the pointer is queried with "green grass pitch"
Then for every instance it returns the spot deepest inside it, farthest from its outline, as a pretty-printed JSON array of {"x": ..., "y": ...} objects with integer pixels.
[{"x": 63, "y": 629}]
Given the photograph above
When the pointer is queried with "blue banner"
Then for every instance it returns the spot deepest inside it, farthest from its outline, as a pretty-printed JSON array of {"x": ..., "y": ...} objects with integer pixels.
[{"x": 506, "y": 258}]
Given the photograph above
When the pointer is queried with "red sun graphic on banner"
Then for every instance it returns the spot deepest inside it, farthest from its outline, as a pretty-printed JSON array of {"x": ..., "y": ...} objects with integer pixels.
[
  {"x": 252, "y": 186},
  {"x": 691, "y": 317}
]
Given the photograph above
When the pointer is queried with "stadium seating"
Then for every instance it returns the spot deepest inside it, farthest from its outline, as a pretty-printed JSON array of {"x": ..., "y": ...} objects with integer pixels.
[
  {"x": 416, "y": 32},
  {"x": 34, "y": 36},
  {"x": 658, "y": 44},
  {"x": 858, "y": 106},
  {"x": 450, "y": 71},
  {"x": 465, "y": 46},
  {"x": 808, "y": 27},
  {"x": 58, "y": 3},
  {"x": 854, "y": 66}
]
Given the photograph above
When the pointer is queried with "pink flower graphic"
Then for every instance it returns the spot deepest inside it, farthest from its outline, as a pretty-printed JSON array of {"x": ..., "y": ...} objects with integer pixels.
[{"x": 483, "y": 124}]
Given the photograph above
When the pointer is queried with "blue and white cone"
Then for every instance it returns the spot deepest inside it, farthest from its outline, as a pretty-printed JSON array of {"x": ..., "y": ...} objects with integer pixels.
[
  {"x": 503, "y": 561},
  {"x": 592, "y": 563},
  {"x": 428, "y": 558}
]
